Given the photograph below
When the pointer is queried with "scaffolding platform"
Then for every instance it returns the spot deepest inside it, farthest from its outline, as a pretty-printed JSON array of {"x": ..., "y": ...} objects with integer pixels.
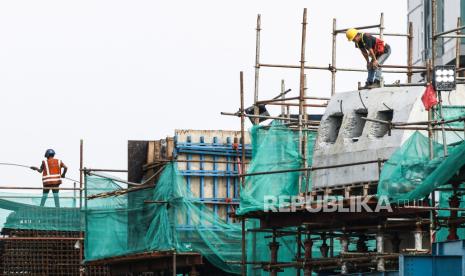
[{"x": 134, "y": 264}]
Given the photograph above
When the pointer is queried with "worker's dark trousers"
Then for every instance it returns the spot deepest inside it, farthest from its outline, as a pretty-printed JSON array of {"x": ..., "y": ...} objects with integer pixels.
[
  {"x": 376, "y": 73},
  {"x": 55, "y": 197}
]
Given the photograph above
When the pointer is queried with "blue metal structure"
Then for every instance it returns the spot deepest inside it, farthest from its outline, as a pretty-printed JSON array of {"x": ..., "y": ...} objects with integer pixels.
[
  {"x": 213, "y": 152},
  {"x": 447, "y": 259}
]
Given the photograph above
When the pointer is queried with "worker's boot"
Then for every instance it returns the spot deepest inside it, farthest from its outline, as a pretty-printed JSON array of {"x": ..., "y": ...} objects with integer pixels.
[
  {"x": 377, "y": 83},
  {"x": 368, "y": 85}
]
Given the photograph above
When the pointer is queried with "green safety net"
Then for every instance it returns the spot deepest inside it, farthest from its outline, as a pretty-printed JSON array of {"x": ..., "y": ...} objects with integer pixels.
[
  {"x": 275, "y": 148},
  {"x": 167, "y": 217},
  {"x": 23, "y": 211},
  {"x": 60, "y": 212},
  {"x": 410, "y": 173},
  {"x": 451, "y": 112},
  {"x": 173, "y": 219}
]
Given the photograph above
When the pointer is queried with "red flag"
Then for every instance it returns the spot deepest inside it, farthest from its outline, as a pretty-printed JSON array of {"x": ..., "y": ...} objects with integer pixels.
[{"x": 429, "y": 97}]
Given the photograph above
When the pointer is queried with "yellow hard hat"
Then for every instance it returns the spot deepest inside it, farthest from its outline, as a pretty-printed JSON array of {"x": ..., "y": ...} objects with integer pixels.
[{"x": 351, "y": 33}]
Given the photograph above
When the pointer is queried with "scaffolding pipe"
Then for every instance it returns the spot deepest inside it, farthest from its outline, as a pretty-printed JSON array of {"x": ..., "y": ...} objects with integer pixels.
[
  {"x": 433, "y": 32},
  {"x": 270, "y": 117},
  {"x": 329, "y": 68},
  {"x": 298, "y": 104},
  {"x": 359, "y": 28},
  {"x": 391, "y": 34},
  {"x": 444, "y": 141},
  {"x": 112, "y": 178},
  {"x": 426, "y": 128},
  {"x": 453, "y": 36},
  {"x": 344, "y": 248},
  {"x": 406, "y": 84},
  {"x": 410, "y": 52},
  {"x": 257, "y": 68},
  {"x": 381, "y": 26},
  {"x": 243, "y": 245},
  {"x": 81, "y": 172},
  {"x": 290, "y": 98},
  {"x": 302, "y": 92},
  {"x": 242, "y": 129},
  {"x": 418, "y": 237},
  {"x": 104, "y": 170},
  {"x": 315, "y": 168},
  {"x": 37, "y": 196},
  {"x": 457, "y": 46},
  {"x": 36, "y": 188},
  {"x": 41, "y": 239},
  {"x": 333, "y": 60},
  {"x": 298, "y": 247},
  {"x": 446, "y": 32},
  {"x": 432, "y": 122},
  {"x": 283, "y": 98},
  {"x": 174, "y": 263},
  {"x": 380, "y": 266}
]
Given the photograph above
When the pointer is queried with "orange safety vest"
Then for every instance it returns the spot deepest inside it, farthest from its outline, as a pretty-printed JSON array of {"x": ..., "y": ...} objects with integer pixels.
[
  {"x": 379, "y": 45},
  {"x": 51, "y": 175}
]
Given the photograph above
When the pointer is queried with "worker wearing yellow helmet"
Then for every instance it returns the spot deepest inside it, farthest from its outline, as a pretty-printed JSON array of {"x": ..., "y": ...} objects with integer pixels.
[{"x": 370, "y": 47}]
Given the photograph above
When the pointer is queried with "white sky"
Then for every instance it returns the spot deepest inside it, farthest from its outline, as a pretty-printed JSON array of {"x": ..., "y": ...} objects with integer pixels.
[{"x": 109, "y": 71}]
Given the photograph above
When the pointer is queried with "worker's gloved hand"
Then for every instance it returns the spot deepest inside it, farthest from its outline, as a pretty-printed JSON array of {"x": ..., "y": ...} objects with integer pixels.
[
  {"x": 34, "y": 168},
  {"x": 375, "y": 63}
]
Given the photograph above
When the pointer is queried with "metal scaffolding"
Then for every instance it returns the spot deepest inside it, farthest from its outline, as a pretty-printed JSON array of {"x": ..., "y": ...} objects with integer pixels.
[{"x": 418, "y": 218}]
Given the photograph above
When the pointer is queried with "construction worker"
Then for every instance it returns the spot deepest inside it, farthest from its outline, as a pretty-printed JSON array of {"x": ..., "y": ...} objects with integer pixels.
[
  {"x": 51, "y": 170},
  {"x": 374, "y": 48}
]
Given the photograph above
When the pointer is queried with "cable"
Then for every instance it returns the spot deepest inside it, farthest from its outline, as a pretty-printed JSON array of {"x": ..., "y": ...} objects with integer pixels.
[
  {"x": 13, "y": 164},
  {"x": 360, "y": 96},
  {"x": 26, "y": 166}
]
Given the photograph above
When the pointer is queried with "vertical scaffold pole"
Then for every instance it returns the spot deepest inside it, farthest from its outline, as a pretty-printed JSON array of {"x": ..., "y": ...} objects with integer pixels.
[
  {"x": 302, "y": 94},
  {"x": 381, "y": 26},
  {"x": 286, "y": 109},
  {"x": 174, "y": 263},
  {"x": 433, "y": 52},
  {"x": 274, "y": 248},
  {"x": 244, "y": 257},
  {"x": 433, "y": 32},
  {"x": 299, "y": 249},
  {"x": 305, "y": 141},
  {"x": 457, "y": 46},
  {"x": 410, "y": 52},
  {"x": 333, "y": 60},
  {"x": 283, "y": 89},
  {"x": 430, "y": 112},
  {"x": 257, "y": 68},
  {"x": 381, "y": 36},
  {"x": 242, "y": 128},
  {"x": 81, "y": 180},
  {"x": 81, "y": 172},
  {"x": 443, "y": 130},
  {"x": 308, "y": 243}
]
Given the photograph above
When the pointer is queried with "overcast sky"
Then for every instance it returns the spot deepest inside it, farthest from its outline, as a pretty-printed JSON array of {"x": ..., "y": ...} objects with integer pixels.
[{"x": 109, "y": 71}]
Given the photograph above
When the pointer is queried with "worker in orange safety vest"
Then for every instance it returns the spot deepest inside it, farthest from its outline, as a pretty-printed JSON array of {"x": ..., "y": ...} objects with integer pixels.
[{"x": 51, "y": 170}]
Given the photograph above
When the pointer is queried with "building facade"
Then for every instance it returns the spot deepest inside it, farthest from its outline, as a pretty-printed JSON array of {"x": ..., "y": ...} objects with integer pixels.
[{"x": 419, "y": 13}]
